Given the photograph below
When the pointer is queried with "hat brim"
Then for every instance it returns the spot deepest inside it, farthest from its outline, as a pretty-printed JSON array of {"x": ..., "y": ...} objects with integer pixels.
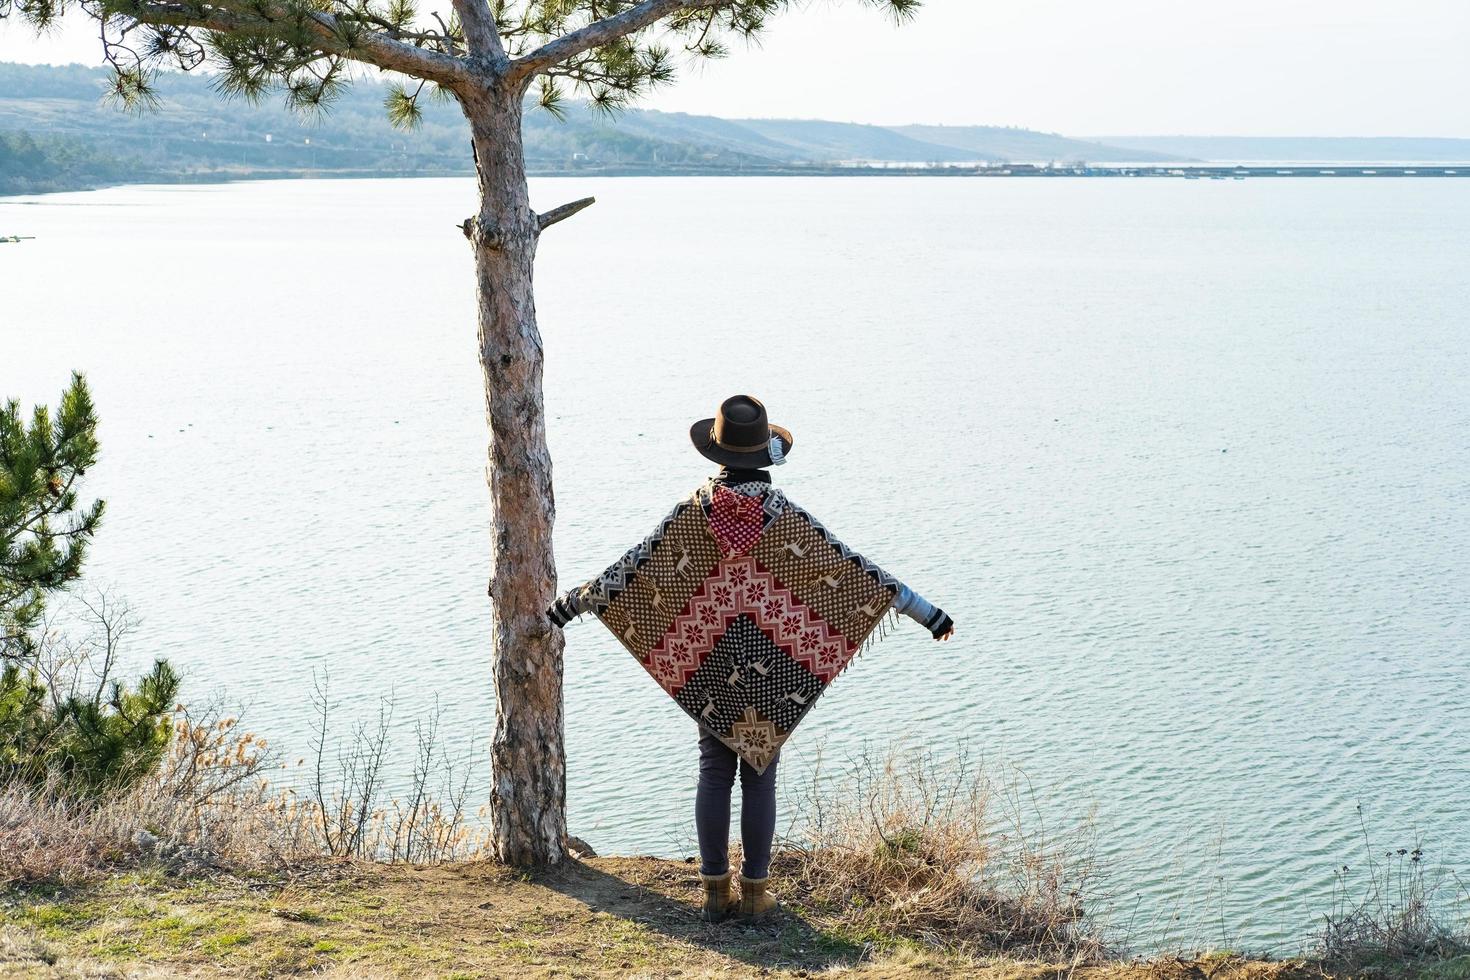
[{"x": 702, "y": 434}]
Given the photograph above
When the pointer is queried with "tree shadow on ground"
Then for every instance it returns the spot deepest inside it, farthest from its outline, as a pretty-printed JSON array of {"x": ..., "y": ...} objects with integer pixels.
[{"x": 664, "y": 901}]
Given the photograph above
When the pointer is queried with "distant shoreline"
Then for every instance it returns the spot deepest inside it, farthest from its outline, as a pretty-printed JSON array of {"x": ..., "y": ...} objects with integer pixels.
[{"x": 1195, "y": 171}]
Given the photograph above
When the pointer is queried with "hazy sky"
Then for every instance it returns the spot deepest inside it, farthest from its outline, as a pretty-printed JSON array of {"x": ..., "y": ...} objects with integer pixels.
[{"x": 1081, "y": 67}]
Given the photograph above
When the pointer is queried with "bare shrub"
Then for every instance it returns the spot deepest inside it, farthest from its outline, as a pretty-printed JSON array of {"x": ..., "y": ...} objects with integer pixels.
[
  {"x": 213, "y": 793},
  {"x": 909, "y": 846},
  {"x": 1394, "y": 913},
  {"x": 79, "y": 662},
  {"x": 430, "y": 825},
  {"x": 211, "y": 758},
  {"x": 349, "y": 815},
  {"x": 345, "y": 805}
]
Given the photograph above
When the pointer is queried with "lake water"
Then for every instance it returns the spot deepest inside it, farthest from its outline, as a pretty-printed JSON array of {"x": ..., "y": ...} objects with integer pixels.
[{"x": 1187, "y": 462}]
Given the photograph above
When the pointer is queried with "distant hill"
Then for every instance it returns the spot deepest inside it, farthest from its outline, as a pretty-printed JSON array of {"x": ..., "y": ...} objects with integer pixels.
[
  {"x": 1007, "y": 143},
  {"x": 709, "y": 131},
  {"x": 1301, "y": 149},
  {"x": 31, "y": 164},
  {"x": 815, "y": 139},
  {"x": 197, "y": 135}
]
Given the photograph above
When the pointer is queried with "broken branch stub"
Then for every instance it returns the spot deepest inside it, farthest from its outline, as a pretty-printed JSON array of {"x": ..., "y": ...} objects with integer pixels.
[{"x": 563, "y": 212}]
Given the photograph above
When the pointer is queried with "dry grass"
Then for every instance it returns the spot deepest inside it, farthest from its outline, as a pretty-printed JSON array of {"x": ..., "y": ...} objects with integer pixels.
[
  {"x": 1394, "y": 916},
  {"x": 212, "y": 805},
  {"x": 208, "y": 804},
  {"x": 906, "y": 849}
]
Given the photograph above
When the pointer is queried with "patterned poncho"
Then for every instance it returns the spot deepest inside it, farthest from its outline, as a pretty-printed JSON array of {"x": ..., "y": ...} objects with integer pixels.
[{"x": 743, "y": 608}]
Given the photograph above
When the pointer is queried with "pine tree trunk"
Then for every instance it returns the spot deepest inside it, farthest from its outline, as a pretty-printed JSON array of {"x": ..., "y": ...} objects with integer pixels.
[{"x": 528, "y": 795}]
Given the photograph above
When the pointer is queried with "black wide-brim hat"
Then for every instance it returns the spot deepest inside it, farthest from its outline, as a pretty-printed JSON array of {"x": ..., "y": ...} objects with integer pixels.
[{"x": 741, "y": 435}]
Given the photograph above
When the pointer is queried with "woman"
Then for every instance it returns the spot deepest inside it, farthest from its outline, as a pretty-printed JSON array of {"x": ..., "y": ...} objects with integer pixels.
[{"x": 743, "y": 608}]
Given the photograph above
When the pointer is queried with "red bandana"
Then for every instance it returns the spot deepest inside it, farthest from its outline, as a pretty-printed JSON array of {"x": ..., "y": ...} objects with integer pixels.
[{"x": 735, "y": 520}]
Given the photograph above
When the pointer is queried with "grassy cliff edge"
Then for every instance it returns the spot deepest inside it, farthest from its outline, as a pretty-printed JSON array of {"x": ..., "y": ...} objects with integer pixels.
[{"x": 601, "y": 917}]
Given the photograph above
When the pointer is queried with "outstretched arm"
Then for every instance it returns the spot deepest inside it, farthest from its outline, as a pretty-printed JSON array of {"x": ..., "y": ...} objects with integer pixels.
[
  {"x": 594, "y": 596},
  {"x": 923, "y": 612}
]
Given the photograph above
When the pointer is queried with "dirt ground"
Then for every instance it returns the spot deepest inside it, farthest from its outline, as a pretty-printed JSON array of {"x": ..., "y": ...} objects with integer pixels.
[{"x": 608, "y": 917}]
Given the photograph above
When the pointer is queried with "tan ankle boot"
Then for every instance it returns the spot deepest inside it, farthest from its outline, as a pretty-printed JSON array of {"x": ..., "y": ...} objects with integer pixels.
[
  {"x": 718, "y": 898},
  {"x": 755, "y": 901}
]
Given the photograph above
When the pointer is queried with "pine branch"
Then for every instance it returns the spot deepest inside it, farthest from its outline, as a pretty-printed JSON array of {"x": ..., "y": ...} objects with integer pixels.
[
  {"x": 603, "y": 32},
  {"x": 327, "y": 34}
]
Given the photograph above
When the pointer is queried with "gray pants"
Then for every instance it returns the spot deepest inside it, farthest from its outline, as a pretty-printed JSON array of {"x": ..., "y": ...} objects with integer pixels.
[{"x": 717, "y": 766}]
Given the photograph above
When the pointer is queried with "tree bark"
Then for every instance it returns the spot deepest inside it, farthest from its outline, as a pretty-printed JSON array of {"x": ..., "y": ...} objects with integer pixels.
[{"x": 528, "y": 793}]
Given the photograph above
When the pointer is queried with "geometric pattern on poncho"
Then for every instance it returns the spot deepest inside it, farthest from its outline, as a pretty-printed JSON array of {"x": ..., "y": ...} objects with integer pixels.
[
  {"x": 654, "y": 593},
  {"x": 836, "y": 587},
  {"x": 747, "y": 640}
]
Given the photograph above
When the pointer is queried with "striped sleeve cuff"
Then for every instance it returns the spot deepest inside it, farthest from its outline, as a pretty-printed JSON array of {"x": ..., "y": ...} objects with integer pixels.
[
  {"x": 920, "y": 610},
  {"x": 564, "y": 610},
  {"x": 942, "y": 626}
]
